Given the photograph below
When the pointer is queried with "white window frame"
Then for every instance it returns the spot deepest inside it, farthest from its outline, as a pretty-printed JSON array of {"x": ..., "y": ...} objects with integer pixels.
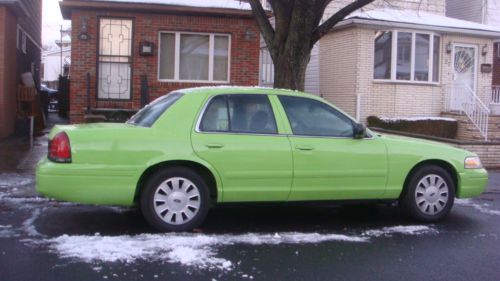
[
  {"x": 394, "y": 58},
  {"x": 210, "y": 58}
]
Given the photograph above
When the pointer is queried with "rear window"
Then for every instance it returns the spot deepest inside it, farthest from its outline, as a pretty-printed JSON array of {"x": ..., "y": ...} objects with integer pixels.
[{"x": 147, "y": 116}]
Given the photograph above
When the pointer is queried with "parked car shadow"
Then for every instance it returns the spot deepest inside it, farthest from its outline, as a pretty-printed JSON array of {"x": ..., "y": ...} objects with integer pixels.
[{"x": 88, "y": 220}]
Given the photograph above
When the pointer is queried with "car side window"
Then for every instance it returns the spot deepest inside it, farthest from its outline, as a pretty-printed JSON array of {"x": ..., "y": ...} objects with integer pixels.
[
  {"x": 216, "y": 116},
  {"x": 239, "y": 113},
  {"x": 310, "y": 117},
  {"x": 251, "y": 114}
]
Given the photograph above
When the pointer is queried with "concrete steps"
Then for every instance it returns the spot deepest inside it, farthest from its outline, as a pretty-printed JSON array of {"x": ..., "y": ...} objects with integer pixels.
[{"x": 467, "y": 130}]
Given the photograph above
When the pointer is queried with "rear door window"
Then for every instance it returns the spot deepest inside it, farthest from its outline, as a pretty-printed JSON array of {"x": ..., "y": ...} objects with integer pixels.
[{"x": 239, "y": 113}]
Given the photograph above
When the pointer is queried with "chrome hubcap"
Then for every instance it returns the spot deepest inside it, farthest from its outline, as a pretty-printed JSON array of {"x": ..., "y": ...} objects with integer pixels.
[
  {"x": 431, "y": 194},
  {"x": 176, "y": 200}
]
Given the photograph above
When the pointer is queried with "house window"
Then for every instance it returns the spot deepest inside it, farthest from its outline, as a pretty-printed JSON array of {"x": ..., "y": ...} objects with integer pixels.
[
  {"x": 115, "y": 58},
  {"x": 406, "y": 56},
  {"x": 194, "y": 57}
]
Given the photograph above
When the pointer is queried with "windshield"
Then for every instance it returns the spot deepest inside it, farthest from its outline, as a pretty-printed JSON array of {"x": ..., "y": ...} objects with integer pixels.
[{"x": 147, "y": 116}]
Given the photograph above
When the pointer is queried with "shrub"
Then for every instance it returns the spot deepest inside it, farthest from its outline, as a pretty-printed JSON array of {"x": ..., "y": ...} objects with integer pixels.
[{"x": 431, "y": 126}]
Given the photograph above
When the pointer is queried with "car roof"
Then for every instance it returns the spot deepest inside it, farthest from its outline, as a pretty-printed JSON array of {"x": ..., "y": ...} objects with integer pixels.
[{"x": 243, "y": 90}]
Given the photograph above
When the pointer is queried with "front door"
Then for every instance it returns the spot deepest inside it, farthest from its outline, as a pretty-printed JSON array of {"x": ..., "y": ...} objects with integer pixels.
[
  {"x": 238, "y": 136},
  {"x": 464, "y": 66},
  {"x": 328, "y": 163}
]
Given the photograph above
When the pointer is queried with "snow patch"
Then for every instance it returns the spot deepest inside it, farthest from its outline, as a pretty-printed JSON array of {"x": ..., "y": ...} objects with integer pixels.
[
  {"x": 397, "y": 119},
  {"x": 226, "y": 4},
  {"x": 482, "y": 208},
  {"x": 195, "y": 250},
  {"x": 6, "y": 231},
  {"x": 198, "y": 250},
  {"x": 420, "y": 18},
  {"x": 400, "y": 229},
  {"x": 14, "y": 179},
  {"x": 29, "y": 224}
]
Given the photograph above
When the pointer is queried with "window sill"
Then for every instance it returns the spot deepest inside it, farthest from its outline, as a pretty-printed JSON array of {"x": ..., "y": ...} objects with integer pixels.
[{"x": 401, "y": 82}]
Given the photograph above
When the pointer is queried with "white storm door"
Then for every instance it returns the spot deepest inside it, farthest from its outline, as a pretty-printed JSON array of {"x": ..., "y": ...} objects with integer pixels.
[{"x": 464, "y": 66}]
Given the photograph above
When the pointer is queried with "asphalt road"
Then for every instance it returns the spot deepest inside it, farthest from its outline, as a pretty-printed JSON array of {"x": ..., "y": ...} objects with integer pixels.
[{"x": 48, "y": 240}]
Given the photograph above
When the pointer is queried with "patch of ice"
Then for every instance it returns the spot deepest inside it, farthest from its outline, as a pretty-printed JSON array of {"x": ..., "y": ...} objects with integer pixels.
[
  {"x": 7, "y": 231},
  {"x": 29, "y": 224},
  {"x": 400, "y": 229},
  {"x": 15, "y": 179},
  {"x": 482, "y": 208}
]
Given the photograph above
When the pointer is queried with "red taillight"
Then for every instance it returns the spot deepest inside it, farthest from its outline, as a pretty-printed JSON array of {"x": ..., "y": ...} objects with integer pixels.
[{"x": 60, "y": 148}]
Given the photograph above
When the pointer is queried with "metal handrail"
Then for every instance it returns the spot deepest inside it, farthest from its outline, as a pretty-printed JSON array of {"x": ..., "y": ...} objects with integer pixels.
[{"x": 470, "y": 104}]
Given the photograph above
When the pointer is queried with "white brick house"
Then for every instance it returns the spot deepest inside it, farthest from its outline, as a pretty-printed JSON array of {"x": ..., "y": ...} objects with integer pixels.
[{"x": 404, "y": 58}]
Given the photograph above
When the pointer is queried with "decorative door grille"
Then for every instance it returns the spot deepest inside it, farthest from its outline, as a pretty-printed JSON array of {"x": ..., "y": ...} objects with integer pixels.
[{"x": 115, "y": 58}]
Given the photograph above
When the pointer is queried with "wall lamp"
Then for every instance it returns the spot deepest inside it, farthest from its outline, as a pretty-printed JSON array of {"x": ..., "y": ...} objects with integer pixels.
[{"x": 484, "y": 50}]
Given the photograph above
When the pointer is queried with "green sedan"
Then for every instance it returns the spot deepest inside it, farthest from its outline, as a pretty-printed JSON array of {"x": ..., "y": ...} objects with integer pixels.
[{"x": 197, "y": 148}]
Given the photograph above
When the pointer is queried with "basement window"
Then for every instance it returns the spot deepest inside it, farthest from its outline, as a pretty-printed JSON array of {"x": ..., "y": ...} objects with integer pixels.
[{"x": 406, "y": 56}]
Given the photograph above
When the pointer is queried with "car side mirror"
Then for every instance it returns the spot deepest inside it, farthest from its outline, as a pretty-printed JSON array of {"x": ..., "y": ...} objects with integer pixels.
[{"x": 359, "y": 131}]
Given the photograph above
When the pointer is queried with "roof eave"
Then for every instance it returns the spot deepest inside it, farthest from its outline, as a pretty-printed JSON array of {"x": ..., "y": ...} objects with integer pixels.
[
  {"x": 385, "y": 24},
  {"x": 67, "y": 7},
  {"x": 17, "y": 7}
]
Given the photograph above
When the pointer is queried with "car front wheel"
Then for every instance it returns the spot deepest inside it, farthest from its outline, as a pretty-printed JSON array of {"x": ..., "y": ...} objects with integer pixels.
[
  {"x": 430, "y": 194},
  {"x": 175, "y": 199}
]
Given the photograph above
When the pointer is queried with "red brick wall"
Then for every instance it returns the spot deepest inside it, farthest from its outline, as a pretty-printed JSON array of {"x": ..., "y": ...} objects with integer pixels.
[
  {"x": 8, "y": 72},
  {"x": 244, "y": 54},
  {"x": 496, "y": 65}
]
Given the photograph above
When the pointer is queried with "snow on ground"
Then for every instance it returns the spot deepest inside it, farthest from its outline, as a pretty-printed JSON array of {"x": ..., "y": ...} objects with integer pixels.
[
  {"x": 7, "y": 231},
  {"x": 400, "y": 229},
  {"x": 482, "y": 208},
  {"x": 14, "y": 179},
  {"x": 397, "y": 119},
  {"x": 198, "y": 250}
]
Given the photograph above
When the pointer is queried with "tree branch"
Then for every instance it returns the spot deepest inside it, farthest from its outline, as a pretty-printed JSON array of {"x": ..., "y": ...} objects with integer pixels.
[
  {"x": 266, "y": 29},
  {"x": 321, "y": 30}
]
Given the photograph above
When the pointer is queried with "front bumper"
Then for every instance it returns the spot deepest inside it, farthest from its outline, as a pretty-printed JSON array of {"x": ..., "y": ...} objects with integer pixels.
[
  {"x": 88, "y": 184},
  {"x": 472, "y": 183}
]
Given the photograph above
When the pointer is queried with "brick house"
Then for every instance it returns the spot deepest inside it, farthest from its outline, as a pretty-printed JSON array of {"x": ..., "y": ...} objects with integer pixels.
[
  {"x": 134, "y": 51},
  {"x": 20, "y": 51}
]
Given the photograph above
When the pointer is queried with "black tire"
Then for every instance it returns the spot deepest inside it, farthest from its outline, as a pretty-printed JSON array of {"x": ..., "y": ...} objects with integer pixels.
[
  {"x": 412, "y": 202},
  {"x": 153, "y": 185}
]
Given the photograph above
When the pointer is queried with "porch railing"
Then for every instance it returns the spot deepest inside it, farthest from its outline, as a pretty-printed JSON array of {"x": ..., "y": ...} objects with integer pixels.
[{"x": 462, "y": 98}]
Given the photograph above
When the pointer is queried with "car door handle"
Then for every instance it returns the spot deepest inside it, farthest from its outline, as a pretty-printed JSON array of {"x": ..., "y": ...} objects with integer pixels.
[
  {"x": 304, "y": 147},
  {"x": 214, "y": 145}
]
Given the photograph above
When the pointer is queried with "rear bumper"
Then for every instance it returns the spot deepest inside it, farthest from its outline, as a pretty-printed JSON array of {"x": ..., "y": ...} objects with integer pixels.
[
  {"x": 472, "y": 183},
  {"x": 88, "y": 184}
]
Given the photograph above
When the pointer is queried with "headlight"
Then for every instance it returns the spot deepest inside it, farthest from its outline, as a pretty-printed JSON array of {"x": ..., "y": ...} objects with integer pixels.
[{"x": 472, "y": 162}]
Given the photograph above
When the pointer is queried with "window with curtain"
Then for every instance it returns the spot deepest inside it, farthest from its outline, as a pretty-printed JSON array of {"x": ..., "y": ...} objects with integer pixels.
[
  {"x": 406, "y": 56},
  {"x": 194, "y": 57},
  {"x": 115, "y": 58}
]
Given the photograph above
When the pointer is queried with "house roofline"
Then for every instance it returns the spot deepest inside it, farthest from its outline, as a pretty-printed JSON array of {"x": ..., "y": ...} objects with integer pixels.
[
  {"x": 371, "y": 23},
  {"x": 17, "y": 7},
  {"x": 67, "y": 6}
]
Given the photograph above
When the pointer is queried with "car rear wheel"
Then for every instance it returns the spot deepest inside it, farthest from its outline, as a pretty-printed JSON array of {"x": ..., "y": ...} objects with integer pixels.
[
  {"x": 430, "y": 194},
  {"x": 175, "y": 199}
]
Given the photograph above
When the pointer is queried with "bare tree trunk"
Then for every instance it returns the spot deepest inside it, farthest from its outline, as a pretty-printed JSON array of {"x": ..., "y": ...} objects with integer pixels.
[
  {"x": 297, "y": 28},
  {"x": 290, "y": 71}
]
